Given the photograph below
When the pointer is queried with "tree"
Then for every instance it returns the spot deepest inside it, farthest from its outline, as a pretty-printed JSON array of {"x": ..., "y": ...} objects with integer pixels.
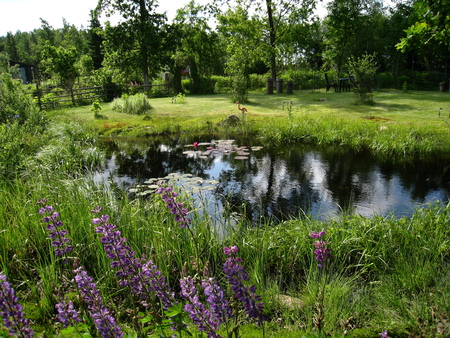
[
  {"x": 243, "y": 36},
  {"x": 61, "y": 61},
  {"x": 95, "y": 39},
  {"x": 197, "y": 46},
  {"x": 143, "y": 26},
  {"x": 11, "y": 47},
  {"x": 433, "y": 23},
  {"x": 277, "y": 18}
]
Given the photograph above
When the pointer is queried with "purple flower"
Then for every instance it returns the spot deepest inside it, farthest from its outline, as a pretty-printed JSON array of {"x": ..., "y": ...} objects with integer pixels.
[
  {"x": 176, "y": 208},
  {"x": 12, "y": 312},
  {"x": 236, "y": 276},
  {"x": 322, "y": 252},
  {"x": 384, "y": 334},
  {"x": 200, "y": 315},
  {"x": 315, "y": 234},
  {"x": 59, "y": 241},
  {"x": 67, "y": 315},
  {"x": 157, "y": 282},
  {"x": 216, "y": 299},
  {"x": 231, "y": 250},
  {"x": 103, "y": 320},
  {"x": 142, "y": 279}
]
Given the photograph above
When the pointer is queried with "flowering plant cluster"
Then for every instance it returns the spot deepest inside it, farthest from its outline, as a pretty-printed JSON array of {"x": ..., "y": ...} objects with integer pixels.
[
  {"x": 12, "y": 312},
  {"x": 206, "y": 302},
  {"x": 141, "y": 278},
  {"x": 176, "y": 208},
  {"x": 322, "y": 251},
  {"x": 57, "y": 235},
  {"x": 236, "y": 276},
  {"x": 67, "y": 315}
]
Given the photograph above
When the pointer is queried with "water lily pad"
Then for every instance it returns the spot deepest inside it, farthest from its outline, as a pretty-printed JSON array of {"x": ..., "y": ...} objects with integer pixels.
[{"x": 241, "y": 157}]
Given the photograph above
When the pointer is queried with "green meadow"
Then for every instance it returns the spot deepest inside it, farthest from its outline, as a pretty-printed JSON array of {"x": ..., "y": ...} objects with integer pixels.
[{"x": 383, "y": 273}]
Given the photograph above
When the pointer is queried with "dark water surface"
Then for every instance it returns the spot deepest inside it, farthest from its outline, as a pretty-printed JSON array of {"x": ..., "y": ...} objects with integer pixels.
[{"x": 282, "y": 182}]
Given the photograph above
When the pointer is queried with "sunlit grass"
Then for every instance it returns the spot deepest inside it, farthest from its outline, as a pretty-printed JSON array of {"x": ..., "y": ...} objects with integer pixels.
[{"x": 398, "y": 124}]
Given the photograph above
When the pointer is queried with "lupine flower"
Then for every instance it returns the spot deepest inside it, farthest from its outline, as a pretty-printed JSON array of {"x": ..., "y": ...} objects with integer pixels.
[
  {"x": 216, "y": 298},
  {"x": 141, "y": 278},
  {"x": 315, "y": 234},
  {"x": 158, "y": 284},
  {"x": 200, "y": 315},
  {"x": 12, "y": 312},
  {"x": 59, "y": 241},
  {"x": 236, "y": 276},
  {"x": 322, "y": 252},
  {"x": 67, "y": 315},
  {"x": 176, "y": 208},
  {"x": 103, "y": 320}
]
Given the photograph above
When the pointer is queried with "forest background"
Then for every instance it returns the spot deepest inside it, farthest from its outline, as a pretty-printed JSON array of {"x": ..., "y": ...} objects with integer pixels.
[{"x": 277, "y": 39}]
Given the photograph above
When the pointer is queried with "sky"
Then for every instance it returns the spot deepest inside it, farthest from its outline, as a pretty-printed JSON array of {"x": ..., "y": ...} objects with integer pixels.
[{"x": 24, "y": 15}]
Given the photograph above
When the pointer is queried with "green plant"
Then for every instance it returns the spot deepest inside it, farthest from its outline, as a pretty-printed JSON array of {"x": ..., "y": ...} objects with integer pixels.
[
  {"x": 363, "y": 70},
  {"x": 137, "y": 104},
  {"x": 96, "y": 108},
  {"x": 180, "y": 98}
]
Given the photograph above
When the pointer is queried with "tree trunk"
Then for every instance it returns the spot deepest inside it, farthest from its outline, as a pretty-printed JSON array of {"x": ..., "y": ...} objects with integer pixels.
[
  {"x": 273, "y": 63},
  {"x": 143, "y": 18}
]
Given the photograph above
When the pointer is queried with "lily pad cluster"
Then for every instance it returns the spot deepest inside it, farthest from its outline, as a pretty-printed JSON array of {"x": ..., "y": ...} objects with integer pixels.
[
  {"x": 186, "y": 182},
  {"x": 217, "y": 148}
]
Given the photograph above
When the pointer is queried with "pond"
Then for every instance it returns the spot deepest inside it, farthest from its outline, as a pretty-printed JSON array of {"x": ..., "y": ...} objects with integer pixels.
[{"x": 260, "y": 180}]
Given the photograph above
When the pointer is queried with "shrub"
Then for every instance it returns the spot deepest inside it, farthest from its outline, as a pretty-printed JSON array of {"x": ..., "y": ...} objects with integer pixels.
[
  {"x": 363, "y": 70},
  {"x": 15, "y": 104},
  {"x": 137, "y": 104}
]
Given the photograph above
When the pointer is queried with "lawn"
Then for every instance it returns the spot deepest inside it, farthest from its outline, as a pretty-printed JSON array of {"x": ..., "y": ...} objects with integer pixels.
[{"x": 414, "y": 108}]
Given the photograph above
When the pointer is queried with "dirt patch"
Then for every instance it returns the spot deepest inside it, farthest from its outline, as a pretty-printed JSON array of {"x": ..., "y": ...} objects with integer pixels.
[{"x": 375, "y": 118}]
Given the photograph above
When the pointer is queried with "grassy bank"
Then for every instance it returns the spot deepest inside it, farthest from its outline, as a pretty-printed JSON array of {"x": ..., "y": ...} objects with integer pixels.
[
  {"x": 382, "y": 274},
  {"x": 398, "y": 124}
]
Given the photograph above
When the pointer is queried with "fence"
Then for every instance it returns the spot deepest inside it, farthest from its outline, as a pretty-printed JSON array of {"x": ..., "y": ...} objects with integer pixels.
[{"x": 53, "y": 97}]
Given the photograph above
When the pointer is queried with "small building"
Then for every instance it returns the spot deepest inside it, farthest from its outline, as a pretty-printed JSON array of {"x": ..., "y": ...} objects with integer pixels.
[{"x": 25, "y": 71}]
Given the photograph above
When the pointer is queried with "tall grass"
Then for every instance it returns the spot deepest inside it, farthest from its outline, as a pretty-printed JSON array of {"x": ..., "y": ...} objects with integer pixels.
[
  {"x": 137, "y": 104},
  {"x": 385, "y": 273}
]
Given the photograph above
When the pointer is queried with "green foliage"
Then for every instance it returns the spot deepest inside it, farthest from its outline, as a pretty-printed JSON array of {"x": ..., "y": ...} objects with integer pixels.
[
  {"x": 363, "y": 70},
  {"x": 137, "y": 104},
  {"x": 96, "y": 108},
  {"x": 62, "y": 63},
  {"x": 180, "y": 98},
  {"x": 15, "y": 103}
]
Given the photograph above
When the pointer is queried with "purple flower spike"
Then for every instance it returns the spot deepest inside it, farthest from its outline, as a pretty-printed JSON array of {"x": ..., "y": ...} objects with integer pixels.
[
  {"x": 176, "y": 208},
  {"x": 384, "y": 334},
  {"x": 103, "y": 320},
  {"x": 236, "y": 276},
  {"x": 315, "y": 234},
  {"x": 12, "y": 312},
  {"x": 322, "y": 252},
  {"x": 67, "y": 315},
  {"x": 57, "y": 235},
  {"x": 204, "y": 318},
  {"x": 142, "y": 279}
]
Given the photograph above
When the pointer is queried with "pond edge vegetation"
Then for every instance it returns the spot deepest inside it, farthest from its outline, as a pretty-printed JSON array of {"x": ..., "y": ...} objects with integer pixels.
[{"x": 381, "y": 274}]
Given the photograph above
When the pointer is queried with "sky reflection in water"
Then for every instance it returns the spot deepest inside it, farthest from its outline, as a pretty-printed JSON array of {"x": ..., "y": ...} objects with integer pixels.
[{"x": 284, "y": 182}]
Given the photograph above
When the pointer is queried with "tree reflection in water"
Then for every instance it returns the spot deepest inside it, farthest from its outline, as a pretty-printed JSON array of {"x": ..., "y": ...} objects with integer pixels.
[{"x": 285, "y": 182}]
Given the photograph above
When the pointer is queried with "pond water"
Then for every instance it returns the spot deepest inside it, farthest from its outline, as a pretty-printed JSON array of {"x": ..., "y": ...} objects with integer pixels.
[{"x": 279, "y": 182}]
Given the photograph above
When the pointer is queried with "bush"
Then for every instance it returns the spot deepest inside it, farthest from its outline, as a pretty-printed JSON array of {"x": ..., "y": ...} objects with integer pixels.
[
  {"x": 15, "y": 103},
  {"x": 137, "y": 104},
  {"x": 363, "y": 70}
]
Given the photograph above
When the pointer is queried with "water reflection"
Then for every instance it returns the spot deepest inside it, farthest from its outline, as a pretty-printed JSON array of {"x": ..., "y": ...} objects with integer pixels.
[{"x": 285, "y": 182}]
